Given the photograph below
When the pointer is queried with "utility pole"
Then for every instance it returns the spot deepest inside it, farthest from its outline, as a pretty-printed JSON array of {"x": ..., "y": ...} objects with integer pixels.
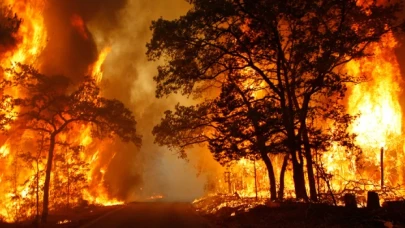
[
  {"x": 382, "y": 167},
  {"x": 228, "y": 180},
  {"x": 254, "y": 165}
]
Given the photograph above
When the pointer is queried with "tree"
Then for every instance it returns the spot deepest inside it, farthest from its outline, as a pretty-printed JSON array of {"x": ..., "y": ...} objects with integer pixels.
[
  {"x": 298, "y": 48},
  {"x": 72, "y": 169},
  {"x": 238, "y": 124},
  {"x": 51, "y": 105},
  {"x": 9, "y": 25}
]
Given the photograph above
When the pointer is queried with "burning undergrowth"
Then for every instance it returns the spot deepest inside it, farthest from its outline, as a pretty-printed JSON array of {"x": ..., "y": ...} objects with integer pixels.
[
  {"x": 233, "y": 211},
  {"x": 225, "y": 205}
]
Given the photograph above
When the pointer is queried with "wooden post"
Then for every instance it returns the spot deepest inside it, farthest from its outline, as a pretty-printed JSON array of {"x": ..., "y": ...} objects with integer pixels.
[
  {"x": 254, "y": 165},
  {"x": 228, "y": 180},
  {"x": 373, "y": 200},
  {"x": 382, "y": 167},
  {"x": 350, "y": 201}
]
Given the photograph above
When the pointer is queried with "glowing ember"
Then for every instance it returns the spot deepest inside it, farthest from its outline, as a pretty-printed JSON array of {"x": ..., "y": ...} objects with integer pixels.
[
  {"x": 64, "y": 222},
  {"x": 158, "y": 196}
]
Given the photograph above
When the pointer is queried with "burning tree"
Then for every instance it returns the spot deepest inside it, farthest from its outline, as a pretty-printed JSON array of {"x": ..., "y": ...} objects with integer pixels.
[
  {"x": 53, "y": 106},
  {"x": 237, "y": 124},
  {"x": 298, "y": 49},
  {"x": 9, "y": 25}
]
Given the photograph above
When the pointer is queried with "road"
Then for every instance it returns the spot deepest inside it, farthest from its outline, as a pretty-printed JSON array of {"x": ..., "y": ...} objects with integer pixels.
[{"x": 150, "y": 214}]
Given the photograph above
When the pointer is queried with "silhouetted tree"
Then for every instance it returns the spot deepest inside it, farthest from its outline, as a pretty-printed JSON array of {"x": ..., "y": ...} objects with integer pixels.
[
  {"x": 298, "y": 48},
  {"x": 52, "y": 105},
  {"x": 238, "y": 124},
  {"x": 9, "y": 25}
]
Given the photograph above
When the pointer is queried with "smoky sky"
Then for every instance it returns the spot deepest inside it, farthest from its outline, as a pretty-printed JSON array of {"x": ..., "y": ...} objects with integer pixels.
[
  {"x": 67, "y": 51},
  {"x": 129, "y": 77},
  {"x": 123, "y": 25}
]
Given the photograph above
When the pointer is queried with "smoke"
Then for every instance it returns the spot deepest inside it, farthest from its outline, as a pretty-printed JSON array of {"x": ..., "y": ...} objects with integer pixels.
[
  {"x": 77, "y": 31},
  {"x": 129, "y": 77}
]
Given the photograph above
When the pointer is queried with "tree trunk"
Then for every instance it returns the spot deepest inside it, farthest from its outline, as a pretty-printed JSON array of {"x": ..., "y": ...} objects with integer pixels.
[
  {"x": 48, "y": 178},
  {"x": 272, "y": 177},
  {"x": 282, "y": 174},
  {"x": 310, "y": 170},
  {"x": 299, "y": 180}
]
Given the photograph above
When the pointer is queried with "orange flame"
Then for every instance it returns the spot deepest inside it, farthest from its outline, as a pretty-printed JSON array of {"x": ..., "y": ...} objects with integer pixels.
[
  {"x": 96, "y": 70},
  {"x": 78, "y": 23},
  {"x": 17, "y": 194}
]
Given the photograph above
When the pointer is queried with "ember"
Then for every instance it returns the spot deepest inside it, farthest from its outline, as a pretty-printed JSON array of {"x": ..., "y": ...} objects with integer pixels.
[{"x": 64, "y": 222}]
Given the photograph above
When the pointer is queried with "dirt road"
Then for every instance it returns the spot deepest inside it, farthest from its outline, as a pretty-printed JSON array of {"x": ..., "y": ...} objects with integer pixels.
[{"x": 156, "y": 214}]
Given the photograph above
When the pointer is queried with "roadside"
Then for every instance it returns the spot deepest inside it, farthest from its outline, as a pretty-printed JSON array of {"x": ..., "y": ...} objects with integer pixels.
[
  {"x": 70, "y": 218},
  {"x": 225, "y": 212}
]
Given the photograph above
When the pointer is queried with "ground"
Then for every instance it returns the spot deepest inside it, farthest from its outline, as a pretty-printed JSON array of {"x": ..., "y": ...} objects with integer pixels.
[
  {"x": 70, "y": 218},
  {"x": 296, "y": 214},
  {"x": 226, "y": 211},
  {"x": 139, "y": 214}
]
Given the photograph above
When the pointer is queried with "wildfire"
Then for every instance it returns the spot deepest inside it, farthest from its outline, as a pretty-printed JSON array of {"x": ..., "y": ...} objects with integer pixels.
[
  {"x": 20, "y": 163},
  {"x": 78, "y": 24},
  {"x": 379, "y": 124},
  {"x": 379, "y": 135},
  {"x": 155, "y": 197},
  {"x": 66, "y": 221},
  {"x": 96, "y": 70},
  {"x": 32, "y": 33}
]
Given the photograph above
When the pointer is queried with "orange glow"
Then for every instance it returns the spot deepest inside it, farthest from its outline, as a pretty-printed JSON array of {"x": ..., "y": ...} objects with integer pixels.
[
  {"x": 379, "y": 124},
  {"x": 78, "y": 23},
  {"x": 18, "y": 174},
  {"x": 154, "y": 197},
  {"x": 378, "y": 127},
  {"x": 96, "y": 70}
]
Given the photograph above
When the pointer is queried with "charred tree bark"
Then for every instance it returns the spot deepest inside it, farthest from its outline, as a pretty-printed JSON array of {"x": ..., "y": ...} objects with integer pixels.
[
  {"x": 298, "y": 171},
  {"x": 45, "y": 209},
  {"x": 282, "y": 175},
  {"x": 299, "y": 179},
  {"x": 287, "y": 106},
  {"x": 309, "y": 163},
  {"x": 272, "y": 177}
]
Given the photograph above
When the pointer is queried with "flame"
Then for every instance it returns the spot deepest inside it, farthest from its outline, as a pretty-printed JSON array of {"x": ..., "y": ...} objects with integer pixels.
[
  {"x": 378, "y": 129},
  {"x": 66, "y": 221},
  {"x": 157, "y": 196},
  {"x": 19, "y": 178},
  {"x": 32, "y": 33},
  {"x": 78, "y": 23},
  {"x": 97, "y": 69},
  {"x": 377, "y": 100},
  {"x": 379, "y": 126}
]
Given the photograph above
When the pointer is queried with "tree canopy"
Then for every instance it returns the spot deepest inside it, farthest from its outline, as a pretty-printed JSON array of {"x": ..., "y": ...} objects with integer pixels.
[
  {"x": 51, "y": 105},
  {"x": 9, "y": 25},
  {"x": 297, "y": 49}
]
